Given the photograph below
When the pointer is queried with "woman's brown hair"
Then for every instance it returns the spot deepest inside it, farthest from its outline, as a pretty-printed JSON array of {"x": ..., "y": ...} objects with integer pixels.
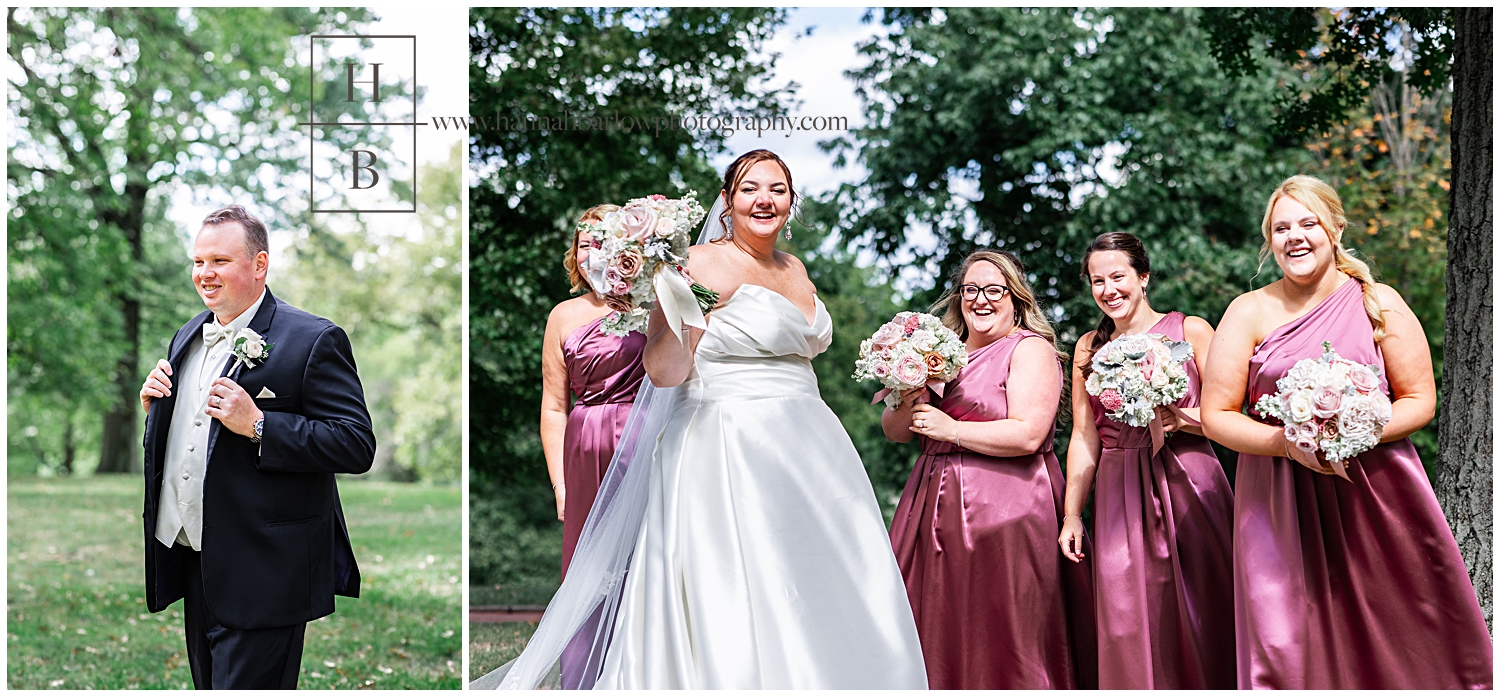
[
  {"x": 735, "y": 174},
  {"x": 1135, "y": 253}
]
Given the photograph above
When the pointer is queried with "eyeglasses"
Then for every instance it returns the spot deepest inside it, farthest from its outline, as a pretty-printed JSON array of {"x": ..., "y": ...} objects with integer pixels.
[{"x": 992, "y": 293}]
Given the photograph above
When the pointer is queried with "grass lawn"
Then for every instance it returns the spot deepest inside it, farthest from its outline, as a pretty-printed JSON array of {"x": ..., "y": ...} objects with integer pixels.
[
  {"x": 78, "y": 619},
  {"x": 492, "y": 644}
]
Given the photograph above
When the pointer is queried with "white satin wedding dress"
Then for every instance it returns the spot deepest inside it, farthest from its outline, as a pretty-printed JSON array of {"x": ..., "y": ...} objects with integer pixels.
[{"x": 762, "y": 559}]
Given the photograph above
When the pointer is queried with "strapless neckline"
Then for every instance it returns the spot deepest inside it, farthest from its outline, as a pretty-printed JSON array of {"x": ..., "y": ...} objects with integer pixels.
[{"x": 818, "y": 306}]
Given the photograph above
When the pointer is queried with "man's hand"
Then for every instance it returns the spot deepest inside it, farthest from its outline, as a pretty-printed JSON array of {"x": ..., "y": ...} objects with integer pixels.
[
  {"x": 233, "y": 407},
  {"x": 158, "y": 384}
]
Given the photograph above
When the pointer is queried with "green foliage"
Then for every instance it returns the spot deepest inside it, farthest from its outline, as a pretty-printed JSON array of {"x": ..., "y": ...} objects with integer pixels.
[
  {"x": 77, "y": 617},
  {"x": 116, "y": 110},
  {"x": 515, "y": 550},
  {"x": 1035, "y": 130},
  {"x": 397, "y": 289},
  {"x": 583, "y": 62},
  {"x": 1340, "y": 54},
  {"x": 1374, "y": 87}
]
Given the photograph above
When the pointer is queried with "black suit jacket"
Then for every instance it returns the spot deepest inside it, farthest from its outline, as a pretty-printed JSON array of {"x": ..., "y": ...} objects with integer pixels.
[{"x": 275, "y": 547}]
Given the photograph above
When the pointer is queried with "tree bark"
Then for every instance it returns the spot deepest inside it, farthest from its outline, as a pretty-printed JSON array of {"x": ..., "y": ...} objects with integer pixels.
[
  {"x": 119, "y": 451},
  {"x": 1466, "y": 470}
]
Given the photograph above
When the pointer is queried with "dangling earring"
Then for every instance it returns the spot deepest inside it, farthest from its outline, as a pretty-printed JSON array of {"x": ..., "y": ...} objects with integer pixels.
[
  {"x": 788, "y": 231},
  {"x": 729, "y": 228}
]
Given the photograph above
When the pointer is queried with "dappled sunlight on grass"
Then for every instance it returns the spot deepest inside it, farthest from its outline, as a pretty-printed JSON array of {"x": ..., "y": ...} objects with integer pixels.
[{"x": 78, "y": 620}]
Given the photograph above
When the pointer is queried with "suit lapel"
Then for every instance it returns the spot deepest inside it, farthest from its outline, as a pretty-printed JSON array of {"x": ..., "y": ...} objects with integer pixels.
[
  {"x": 161, "y": 410},
  {"x": 260, "y": 324}
]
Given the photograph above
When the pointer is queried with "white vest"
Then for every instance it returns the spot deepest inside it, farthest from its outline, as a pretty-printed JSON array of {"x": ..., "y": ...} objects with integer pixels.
[{"x": 179, "y": 516}]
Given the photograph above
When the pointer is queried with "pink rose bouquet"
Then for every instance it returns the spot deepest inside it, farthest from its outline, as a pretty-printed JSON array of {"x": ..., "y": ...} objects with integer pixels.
[
  {"x": 912, "y": 350},
  {"x": 1330, "y": 404},
  {"x": 642, "y": 249},
  {"x": 1135, "y": 374}
]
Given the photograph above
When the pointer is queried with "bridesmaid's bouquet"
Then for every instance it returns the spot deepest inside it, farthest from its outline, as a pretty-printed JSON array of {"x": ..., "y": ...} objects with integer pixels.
[
  {"x": 642, "y": 250},
  {"x": 911, "y": 351},
  {"x": 1330, "y": 404},
  {"x": 1136, "y": 373}
]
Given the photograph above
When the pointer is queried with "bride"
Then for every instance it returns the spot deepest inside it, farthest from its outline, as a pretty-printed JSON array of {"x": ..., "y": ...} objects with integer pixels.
[{"x": 737, "y": 542}]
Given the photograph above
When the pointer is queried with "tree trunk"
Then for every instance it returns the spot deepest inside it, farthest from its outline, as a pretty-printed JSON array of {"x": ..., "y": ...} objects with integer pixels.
[
  {"x": 1465, "y": 473},
  {"x": 119, "y": 451},
  {"x": 70, "y": 448}
]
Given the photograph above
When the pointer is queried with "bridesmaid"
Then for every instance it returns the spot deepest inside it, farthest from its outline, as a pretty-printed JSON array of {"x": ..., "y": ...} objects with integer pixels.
[
  {"x": 602, "y": 372},
  {"x": 995, "y": 604},
  {"x": 1337, "y": 584},
  {"x": 1161, "y": 522}
]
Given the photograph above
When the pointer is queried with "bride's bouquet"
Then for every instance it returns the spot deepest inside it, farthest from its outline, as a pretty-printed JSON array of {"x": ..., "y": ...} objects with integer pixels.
[
  {"x": 1135, "y": 374},
  {"x": 912, "y": 350},
  {"x": 643, "y": 248},
  {"x": 1330, "y": 404}
]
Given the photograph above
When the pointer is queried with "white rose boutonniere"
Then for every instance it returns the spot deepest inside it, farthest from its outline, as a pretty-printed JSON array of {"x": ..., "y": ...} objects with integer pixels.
[{"x": 250, "y": 349}]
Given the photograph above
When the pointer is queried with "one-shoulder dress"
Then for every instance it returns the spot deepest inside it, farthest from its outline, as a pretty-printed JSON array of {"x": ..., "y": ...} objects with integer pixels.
[{"x": 1347, "y": 584}]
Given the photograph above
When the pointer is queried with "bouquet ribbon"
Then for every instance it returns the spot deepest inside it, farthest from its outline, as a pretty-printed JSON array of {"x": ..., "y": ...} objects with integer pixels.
[
  {"x": 677, "y": 302},
  {"x": 937, "y": 386},
  {"x": 1159, "y": 437}
]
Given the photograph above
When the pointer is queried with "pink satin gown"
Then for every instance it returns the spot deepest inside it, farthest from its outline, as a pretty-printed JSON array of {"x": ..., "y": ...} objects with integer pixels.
[
  {"x": 1339, "y": 584},
  {"x": 1162, "y": 554},
  {"x": 604, "y": 373},
  {"x": 996, "y": 604}
]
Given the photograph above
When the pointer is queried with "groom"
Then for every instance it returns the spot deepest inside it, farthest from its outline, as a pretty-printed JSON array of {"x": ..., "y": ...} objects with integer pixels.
[{"x": 256, "y": 408}]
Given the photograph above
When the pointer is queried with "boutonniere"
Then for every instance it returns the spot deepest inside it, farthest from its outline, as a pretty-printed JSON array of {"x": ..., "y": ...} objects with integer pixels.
[{"x": 250, "y": 349}]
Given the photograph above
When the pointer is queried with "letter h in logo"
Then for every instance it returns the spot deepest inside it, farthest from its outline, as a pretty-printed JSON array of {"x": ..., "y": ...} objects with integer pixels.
[{"x": 353, "y": 163}]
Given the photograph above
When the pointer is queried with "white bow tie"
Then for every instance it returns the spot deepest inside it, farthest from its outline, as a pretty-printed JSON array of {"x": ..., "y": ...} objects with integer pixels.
[{"x": 213, "y": 334}]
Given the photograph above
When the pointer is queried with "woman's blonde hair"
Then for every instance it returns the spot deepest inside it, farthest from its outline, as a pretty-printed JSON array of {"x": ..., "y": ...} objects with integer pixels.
[
  {"x": 1324, "y": 202},
  {"x": 570, "y": 257},
  {"x": 1029, "y": 314}
]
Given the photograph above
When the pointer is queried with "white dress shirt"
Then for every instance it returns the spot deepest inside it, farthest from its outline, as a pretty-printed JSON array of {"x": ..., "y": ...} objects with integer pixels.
[{"x": 179, "y": 516}]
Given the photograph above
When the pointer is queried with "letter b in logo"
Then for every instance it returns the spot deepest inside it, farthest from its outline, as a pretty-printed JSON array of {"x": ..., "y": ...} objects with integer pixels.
[{"x": 355, "y": 156}]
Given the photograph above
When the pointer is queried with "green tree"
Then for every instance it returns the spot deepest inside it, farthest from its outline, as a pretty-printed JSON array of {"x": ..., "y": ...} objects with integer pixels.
[
  {"x": 395, "y": 284},
  {"x": 1034, "y": 130},
  {"x": 541, "y": 67},
  {"x": 118, "y": 107},
  {"x": 1342, "y": 56}
]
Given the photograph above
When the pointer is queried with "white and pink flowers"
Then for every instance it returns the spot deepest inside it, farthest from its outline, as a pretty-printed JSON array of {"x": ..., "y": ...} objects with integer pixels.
[
  {"x": 1136, "y": 373},
  {"x": 1330, "y": 404},
  {"x": 641, "y": 250},
  {"x": 912, "y": 350}
]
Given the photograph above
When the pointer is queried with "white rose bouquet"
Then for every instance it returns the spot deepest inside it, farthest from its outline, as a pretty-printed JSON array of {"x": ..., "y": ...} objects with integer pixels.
[
  {"x": 912, "y": 350},
  {"x": 1330, "y": 404},
  {"x": 1135, "y": 374},
  {"x": 642, "y": 249}
]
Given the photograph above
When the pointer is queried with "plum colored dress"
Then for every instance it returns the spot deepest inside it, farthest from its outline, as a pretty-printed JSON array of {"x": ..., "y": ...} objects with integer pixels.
[
  {"x": 1343, "y": 584},
  {"x": 997, "y": 605},
  {"x": 1162, "y": 554},
  {"x": 604, "y": 373}
]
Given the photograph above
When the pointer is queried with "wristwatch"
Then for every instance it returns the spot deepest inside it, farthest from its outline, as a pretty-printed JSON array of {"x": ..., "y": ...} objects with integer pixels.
[{"x": 259, "y": 424}]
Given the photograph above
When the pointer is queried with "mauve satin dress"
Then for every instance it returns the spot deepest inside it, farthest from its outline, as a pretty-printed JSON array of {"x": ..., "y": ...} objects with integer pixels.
[
  {"x": 1342, "y": 584},
  {"x": 604, "y": 373},
  {"x": 997, "y": 605},
  {"x": 1162, "y": 554}
]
